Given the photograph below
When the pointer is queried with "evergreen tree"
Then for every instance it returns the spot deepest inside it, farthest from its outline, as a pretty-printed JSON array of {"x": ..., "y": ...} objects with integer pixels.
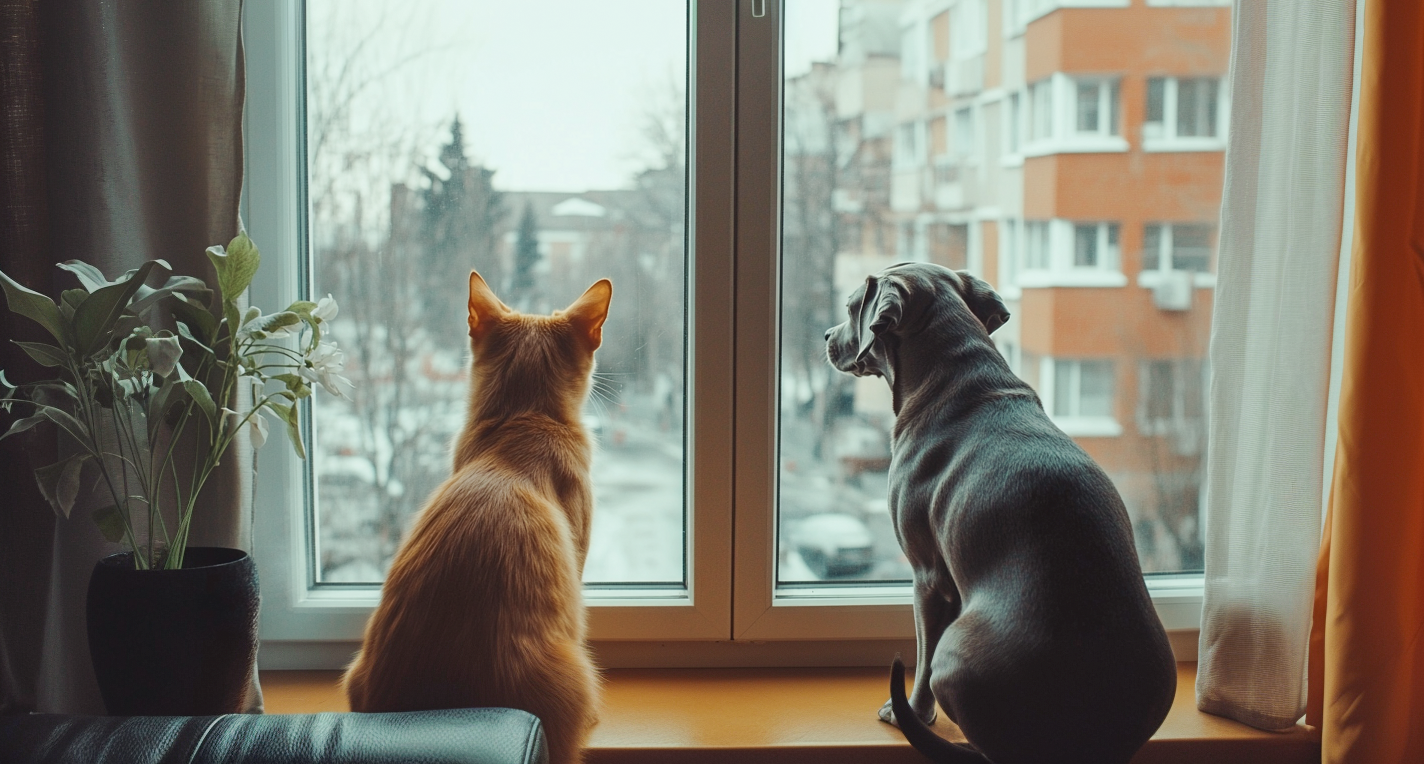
[
  {"x": 457, "y": 232},
  {"x": 522, "y": 289}
]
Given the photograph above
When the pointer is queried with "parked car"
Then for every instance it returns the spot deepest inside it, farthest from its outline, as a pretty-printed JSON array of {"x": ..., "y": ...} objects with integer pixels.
[{"x": 834, "y": 545}]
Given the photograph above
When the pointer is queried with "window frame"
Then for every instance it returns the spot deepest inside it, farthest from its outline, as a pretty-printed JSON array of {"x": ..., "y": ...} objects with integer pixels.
[
  {"x": 1166, "y": 138},
  {"x": 1060, "y": 269},
  {"x": 273, "y": 205},
  {"x": 1062, "y": 135},
  {"x": 1156, "y": 266},
  {"x": 734, "y": 238}
]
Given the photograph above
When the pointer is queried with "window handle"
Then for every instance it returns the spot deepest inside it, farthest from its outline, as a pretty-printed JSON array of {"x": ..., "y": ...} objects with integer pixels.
[{"x": 758, "y": 8}]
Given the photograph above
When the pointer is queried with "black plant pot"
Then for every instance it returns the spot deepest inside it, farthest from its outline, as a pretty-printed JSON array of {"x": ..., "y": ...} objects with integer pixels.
[{"x": 174, "y": 642}]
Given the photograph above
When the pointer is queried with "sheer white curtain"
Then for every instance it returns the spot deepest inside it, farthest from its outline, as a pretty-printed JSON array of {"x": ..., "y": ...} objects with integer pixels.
[{"x": 1281, "y": 217}]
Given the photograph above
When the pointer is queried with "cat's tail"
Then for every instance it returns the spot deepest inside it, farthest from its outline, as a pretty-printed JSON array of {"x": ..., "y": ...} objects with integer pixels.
[{"x": 919, "y": 735}]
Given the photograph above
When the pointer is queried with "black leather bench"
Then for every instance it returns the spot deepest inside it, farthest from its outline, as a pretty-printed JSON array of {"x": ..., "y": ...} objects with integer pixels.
[{"x": 457, "y": 736}]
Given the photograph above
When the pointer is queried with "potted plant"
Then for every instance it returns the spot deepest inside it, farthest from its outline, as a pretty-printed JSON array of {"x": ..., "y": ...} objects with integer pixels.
[{"x": 152, "y": 387}]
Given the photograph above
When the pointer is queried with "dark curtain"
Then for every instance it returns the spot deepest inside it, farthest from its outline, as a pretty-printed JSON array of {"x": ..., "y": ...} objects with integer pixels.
[{"x": 120, "y": 141}]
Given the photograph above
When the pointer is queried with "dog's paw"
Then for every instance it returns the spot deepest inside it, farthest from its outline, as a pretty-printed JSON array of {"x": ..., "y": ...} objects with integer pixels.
[{"x": 887, "y": 714}]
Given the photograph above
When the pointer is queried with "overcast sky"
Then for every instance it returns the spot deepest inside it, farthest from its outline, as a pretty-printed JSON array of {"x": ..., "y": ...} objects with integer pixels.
[{"x": 553, "y": 93}]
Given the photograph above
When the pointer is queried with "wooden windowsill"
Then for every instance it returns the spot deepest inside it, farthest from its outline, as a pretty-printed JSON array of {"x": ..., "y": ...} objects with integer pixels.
[{"x": 808, "y": 715}]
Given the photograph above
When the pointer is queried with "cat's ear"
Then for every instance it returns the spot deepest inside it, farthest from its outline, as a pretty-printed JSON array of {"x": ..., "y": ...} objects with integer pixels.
[
  {"x": 589, "y": 311},
  {"x": 485, "y": 308}
]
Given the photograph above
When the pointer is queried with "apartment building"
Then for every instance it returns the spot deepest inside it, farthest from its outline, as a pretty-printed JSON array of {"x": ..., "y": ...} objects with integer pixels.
[{"x": 1071, "y": 153}]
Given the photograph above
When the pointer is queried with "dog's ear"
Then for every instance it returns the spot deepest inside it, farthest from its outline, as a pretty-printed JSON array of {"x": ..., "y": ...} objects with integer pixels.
[
  {"x": 983, "y": 301},
  {"x": 880, "y": 311}
]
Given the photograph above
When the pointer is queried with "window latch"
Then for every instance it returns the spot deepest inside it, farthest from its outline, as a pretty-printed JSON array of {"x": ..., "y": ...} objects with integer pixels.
[{"x": 758, "y": 8}]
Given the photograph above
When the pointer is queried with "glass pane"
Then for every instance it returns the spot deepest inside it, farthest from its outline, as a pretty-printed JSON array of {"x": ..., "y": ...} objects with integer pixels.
[
  {"x": 1191, "y": 108},
  {"x": 1085, "y": 245},
  {"x": 1191, "y": 247},
  {"x": 1156, "y": 100},
  {"x": 1087, "y": 107},
  {"x": 544, "y": 146},
  {"x": 1095, "y": 388},
  {"x": 871, "y": 95}
]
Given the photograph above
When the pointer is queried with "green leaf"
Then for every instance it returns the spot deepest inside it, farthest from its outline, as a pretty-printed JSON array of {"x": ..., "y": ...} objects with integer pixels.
[
  {"x": 94, "y": 320},
  {"x": 199, "y": 320},
  {"x": 111, "y": 523},
  {"x": 92, "y": 278},
  {"x": 147, "y": 297},
  {"x": 37, "y": 308},
  {"x": 44, "y": 355},
  {"x": 21, "y": 425},
  {"x": 187, "y": 334},
  {"x": 302, "y": 308},
  {"x": 199, "y": 393},
  {"x": 59, "y": 482},
  {"x": 236, "y": 266},
  {"x": 70, "y": 300},
  {"x": 292, "y": 416},
  {"x": 295, "y": 383}
]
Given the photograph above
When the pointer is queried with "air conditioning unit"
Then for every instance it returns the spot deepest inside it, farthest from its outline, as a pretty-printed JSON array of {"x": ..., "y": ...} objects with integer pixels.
[{"x": 1173, "y": 291}]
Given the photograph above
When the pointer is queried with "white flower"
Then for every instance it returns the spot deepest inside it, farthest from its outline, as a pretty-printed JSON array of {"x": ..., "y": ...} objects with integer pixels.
[
  {"x": 324, "y": 365},
  {"x": 325, "y": 309},
  {"x": 163, "y": 354},
  {"x": 256, "y": 425}
]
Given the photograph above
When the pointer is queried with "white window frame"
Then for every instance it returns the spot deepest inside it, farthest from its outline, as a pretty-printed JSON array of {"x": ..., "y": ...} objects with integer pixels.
[
  {"x": 1060, "y": 269},
  {"x": 1063, "y": 136},
  {"x": 734, "y": 239},
  {"x": 1162, "y": 136},
  {"x": 1071, "y": 422},
  {"x": 1155, "y": 265}
]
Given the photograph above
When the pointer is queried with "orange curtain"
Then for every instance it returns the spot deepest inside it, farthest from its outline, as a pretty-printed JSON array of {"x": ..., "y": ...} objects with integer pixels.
[{"x": 1367, "y": 641}]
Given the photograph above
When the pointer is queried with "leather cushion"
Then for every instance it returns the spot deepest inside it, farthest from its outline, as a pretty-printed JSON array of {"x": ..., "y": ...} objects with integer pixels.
[{"x": 455, "y": 736}]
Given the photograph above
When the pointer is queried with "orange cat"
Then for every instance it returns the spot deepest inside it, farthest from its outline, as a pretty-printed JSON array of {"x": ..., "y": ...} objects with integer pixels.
[{"x": 483, "y": 604}]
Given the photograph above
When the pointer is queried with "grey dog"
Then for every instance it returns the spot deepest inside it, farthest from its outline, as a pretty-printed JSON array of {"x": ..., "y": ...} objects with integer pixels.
[{"x": 1034, "y": 629}]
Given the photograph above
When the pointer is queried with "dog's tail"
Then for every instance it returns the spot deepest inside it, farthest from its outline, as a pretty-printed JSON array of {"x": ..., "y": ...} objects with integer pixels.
[{"x": 924, "y": 740}]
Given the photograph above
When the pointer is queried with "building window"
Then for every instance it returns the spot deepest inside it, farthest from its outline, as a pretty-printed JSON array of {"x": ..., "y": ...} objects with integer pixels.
[
  {"x": 1010, "y": 254},
  {"x": 1037, "y": 250},
  {"x": 1060, "y": 253},
  {"x": 1012, "y": 127},
  {"x": 1171, "y": 402},
  {"x": 908, "y": 150},
  {"x": 1095, "y": 107},
  {"x": 1078, "y": 394},
  {"x": 1070, "y": 114},
  {"x": 1083, "y": 388},
  {"x": 1041, "y": 110},
  {"x": 964, "y": 132},
  {"x": 1177, "y": 247},
  {"x": 1184, "y": 113},
  {"x": 1095, "y": 245}
]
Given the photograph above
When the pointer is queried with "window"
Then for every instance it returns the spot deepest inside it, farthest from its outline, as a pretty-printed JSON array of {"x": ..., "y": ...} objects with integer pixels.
[
  {"x": 782, "y": 215},
  {"x": 1078, "y": 395},
  {"x": 1096, "y": 102},
  {"x": 1071, "y": 114},
  {"x": 1177, "y": 247},
  {"x": 1041, "y": 110},
  {"x": 964, "y": 132},
  {"x": 1060, "y": 253},
  {"x": 1172, "y": 402},
  {"x": 1013, "y": 131},
  {"x": 1184, "y": 114}
]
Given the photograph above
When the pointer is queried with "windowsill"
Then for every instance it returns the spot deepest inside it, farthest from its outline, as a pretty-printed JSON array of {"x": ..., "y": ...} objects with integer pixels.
[
  {"x": 813, "y": 715},
  {"x": 1081, "y": 277},
  {"x": 1011, "y": 160},
  {"x": 1153, "y": 279},
  {"x": 1077, "y": 145},
  {"x": 1088, "y": 426},
  {"x": 1165, "y": 145}
]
